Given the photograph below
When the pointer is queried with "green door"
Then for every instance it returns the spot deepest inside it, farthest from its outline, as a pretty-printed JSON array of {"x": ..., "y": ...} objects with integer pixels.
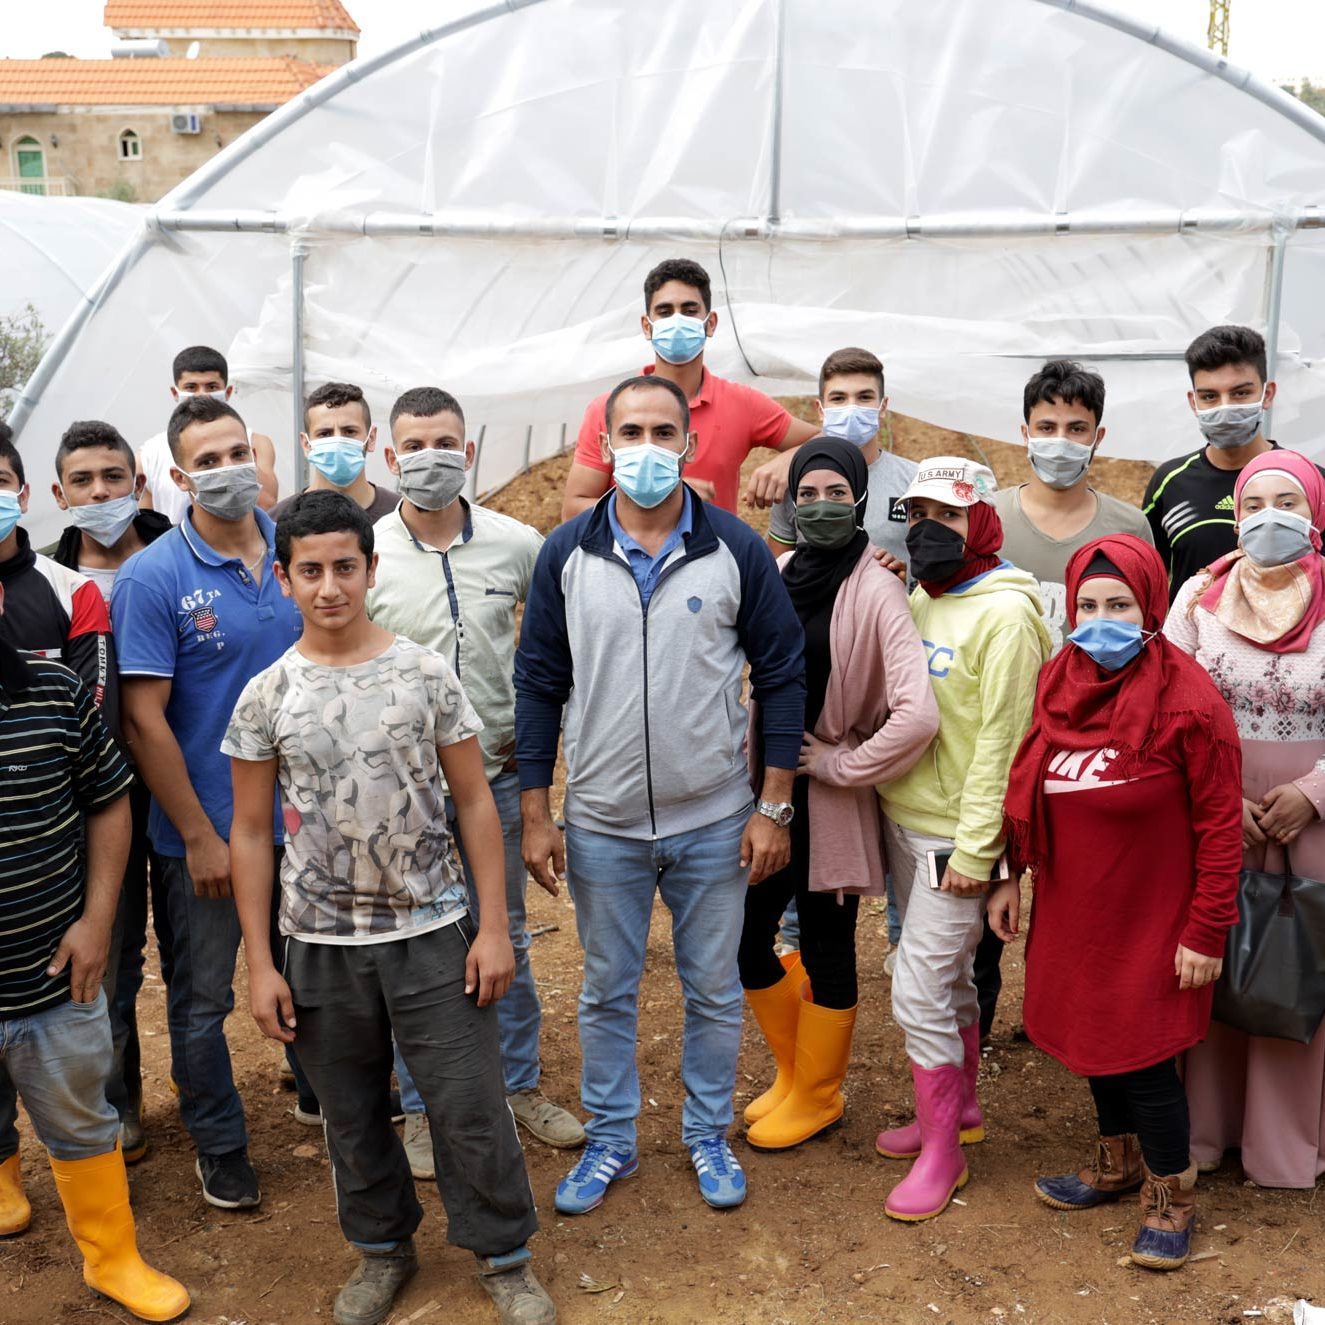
[{"x": 31, "y": 164}]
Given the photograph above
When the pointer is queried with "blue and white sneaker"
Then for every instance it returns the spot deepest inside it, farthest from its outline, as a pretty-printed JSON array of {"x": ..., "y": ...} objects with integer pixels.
[
  {"x": 721, "y": 1180},
  {"x": 584, "y": 1187}
]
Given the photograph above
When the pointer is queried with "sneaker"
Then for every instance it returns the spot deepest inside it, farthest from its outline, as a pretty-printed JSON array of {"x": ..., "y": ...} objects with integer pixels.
[
  {"x": 890, "y": 963},
  {"x": 308, "y": 1112},
  {"x": 370, "y": 1291},
  {"x": 133, "y": 1140},
  {"x": 721, "y": 1180},
  {"x": 545, "y": 1121},
  {"x": 584, "y": 1187},
  {"x": 519, "y": 1298},
  {"x": 228, "y": 1181},
  {"x": 418, "y": 1147}
]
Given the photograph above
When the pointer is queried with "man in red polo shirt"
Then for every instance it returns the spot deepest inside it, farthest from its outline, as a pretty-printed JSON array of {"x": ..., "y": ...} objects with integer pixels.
[{"x": 730, "y": 419}]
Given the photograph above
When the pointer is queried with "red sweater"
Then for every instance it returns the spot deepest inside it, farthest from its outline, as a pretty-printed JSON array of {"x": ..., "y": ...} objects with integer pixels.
[{"x": 1135, "y": 868}]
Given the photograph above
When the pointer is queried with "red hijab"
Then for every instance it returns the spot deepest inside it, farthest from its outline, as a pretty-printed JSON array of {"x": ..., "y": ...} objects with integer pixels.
[
  {"x": 1276, "y": 608},
  {"x": 984, "y": 537},
  {"x": 1080, "y": 705}
]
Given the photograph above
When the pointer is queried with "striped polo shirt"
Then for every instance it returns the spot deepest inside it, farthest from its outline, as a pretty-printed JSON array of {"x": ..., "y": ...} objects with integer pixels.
[{"x": 57, "y": 762}]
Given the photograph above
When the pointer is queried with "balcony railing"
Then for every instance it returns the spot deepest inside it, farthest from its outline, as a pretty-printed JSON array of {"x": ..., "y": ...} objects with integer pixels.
[{"x": 44, "y": 186}]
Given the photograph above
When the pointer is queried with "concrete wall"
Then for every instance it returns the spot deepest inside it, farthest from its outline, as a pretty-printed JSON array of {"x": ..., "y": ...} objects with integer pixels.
[
  {"x": 316, "y": 50},
  {"x": 88, "y": 150}
]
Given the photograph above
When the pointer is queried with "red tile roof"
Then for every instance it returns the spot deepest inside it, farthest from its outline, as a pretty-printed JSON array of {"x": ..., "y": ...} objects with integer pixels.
[
  {"x": 328, "y": 15},
  {"x": 153, "y": 82}
]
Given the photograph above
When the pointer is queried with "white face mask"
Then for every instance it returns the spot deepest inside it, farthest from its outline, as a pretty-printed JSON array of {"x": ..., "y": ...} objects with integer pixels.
[
  {"x": 106, "y": 521},
  {"x": 1272, "y": 537}
]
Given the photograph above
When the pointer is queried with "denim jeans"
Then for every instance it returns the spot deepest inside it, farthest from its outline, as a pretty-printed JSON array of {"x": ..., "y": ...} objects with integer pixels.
[
  {"x": 205, "y": 939},
  {"x": 57, "y": 1062},
  {"x": 612, "y": 883},
  {"x": 519, "y": 1015}
]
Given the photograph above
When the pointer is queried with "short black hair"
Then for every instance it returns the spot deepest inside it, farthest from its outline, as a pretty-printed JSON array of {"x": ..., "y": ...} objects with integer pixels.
[
  {"x": 195, "y": 409},
  {"x": 678, "y": 269},
  {"x": 657, "y": 383},
  {"x": 425, "y": 402},
  {"x": 88, "y": 433},
  {"x": 1066, "y": 381},
  {"x": 9, "y": 452},
  {"x": 320, "y": 511},
  {"x": 335, "y": 394},
  {"x": 851, "y": 360},
  {"x": 1221, "y": 346},
  {"x": 200, "y": 359}
]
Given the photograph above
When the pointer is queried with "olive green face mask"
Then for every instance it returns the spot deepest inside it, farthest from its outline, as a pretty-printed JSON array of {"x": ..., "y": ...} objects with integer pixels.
[{"x": 826, "y": 524}]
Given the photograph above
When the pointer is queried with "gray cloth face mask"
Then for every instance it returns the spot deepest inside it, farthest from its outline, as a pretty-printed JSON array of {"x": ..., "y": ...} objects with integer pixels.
[
  {"x": 1226, "y": 427},
  {"x": 1057, "y": 462},
  {"x": 431, "y": 480},
  {"x": 229, "y": 492}
]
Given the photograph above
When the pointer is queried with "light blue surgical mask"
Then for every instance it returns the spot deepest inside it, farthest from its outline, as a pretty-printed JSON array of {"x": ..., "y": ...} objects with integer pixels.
[
  {"x": 105, "y": 521},
  {"x": 678, "y": 339},
  {"x": 10, "y": 514},
  {"x": 1113, "y": 644},
  {"x": 857, "y": 424},
  {"x": 340, "y": 460},
  {"x": 647, "y": 473}
]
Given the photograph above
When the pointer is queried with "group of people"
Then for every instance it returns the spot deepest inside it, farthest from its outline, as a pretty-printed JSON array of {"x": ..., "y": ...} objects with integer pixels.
[{"x": 315, "y": 729}]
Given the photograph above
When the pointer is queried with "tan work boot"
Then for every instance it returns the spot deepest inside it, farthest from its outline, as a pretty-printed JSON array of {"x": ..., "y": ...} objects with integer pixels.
[
  {"x": 1168, "y": 1216},
  {"x": 369, "y": 1292},
  {"x": 418, "y": 1147},
  {"x": 518, "y": 1296},
  {"x": 545, "y": 1121},
  {"x": 1113, "y": 1172}
]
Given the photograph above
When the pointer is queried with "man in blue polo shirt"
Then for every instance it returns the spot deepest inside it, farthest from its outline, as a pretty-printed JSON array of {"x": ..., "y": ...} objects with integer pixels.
[{"x": 199, "y": 614}]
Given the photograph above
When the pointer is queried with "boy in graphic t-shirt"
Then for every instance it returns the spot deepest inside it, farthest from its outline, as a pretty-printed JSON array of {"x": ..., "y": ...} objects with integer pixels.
[{"x": 359, "y": 726}]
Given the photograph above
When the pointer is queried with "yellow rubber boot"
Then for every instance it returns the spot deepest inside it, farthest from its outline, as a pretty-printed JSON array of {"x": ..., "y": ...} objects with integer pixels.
[
  {"x": 814, "y": 1103},
  {"x": 15, "y": 1212},
  {"x": 95, "y": 1193},
  {"x": 777, "y": 1009}
]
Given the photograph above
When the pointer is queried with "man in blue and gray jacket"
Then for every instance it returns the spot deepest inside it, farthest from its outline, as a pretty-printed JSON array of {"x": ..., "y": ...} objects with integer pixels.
[{"x": 640, "y": 618}]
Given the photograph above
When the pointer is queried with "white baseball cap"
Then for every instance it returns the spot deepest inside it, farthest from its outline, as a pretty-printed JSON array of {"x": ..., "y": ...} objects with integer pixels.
[{"x": 952, "y": 478}]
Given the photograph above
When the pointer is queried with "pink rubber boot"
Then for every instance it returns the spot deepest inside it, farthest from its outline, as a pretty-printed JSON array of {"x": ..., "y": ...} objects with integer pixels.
[
  {"x": 904, "y": 1142},
  {"x": 941, "y": 1168}
]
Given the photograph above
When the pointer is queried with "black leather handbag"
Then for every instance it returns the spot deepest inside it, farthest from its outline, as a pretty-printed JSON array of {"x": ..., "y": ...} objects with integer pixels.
[{"x": 1273, "y": 982}]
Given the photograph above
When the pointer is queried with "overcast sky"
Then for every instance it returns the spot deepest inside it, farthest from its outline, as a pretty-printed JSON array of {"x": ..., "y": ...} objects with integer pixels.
[{"x": 1277, "y": 39}]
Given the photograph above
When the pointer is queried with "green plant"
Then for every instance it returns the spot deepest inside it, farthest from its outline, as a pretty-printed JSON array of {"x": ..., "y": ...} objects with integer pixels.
[
  {"x": 23, "y": 338},
  {"x": 120, "y": 191}
]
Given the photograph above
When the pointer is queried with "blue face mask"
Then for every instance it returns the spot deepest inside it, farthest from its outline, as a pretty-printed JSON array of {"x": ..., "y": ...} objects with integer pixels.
[
  {"x": 340, "y": 460},
  {"x": 10, "y": 514},
  {"x": 1113, "y": 644},
  {"x": 647, "y": 474},
  {"x": 678, "y": 339},
  {"x": 857, "y": 424}
]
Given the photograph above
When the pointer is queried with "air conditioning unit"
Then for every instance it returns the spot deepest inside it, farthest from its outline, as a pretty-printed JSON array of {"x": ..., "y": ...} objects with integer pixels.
[{"x": 186, "y": 124}]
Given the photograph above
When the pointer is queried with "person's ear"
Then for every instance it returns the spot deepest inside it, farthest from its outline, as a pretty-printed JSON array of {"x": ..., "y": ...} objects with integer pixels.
[
  {"x": 23, "y": 494},
  {"x": 372, "y": 572},
  {"x": 692, "y": 445},
  {"x": 229, "y": 391},
  {"x": 305, "y": 443},
  {"x": 470, "y": 453},
  {"x": 139, "y": 483},
  {"x": 711, "y": 323},
  {"x": 392, "y": 463},
  {"x": 174, "y": 394},
  {"x": 1099, "y": 441},
  {"x": 1191, "y": 400},
  {"x": 819, "y": 405},
  {"x": 371, "y": 440},
  {"x": 1270, "y": 389},
  {"x": 180, "y": 479},
  {"x": 57, "y": 491},
  {"x": 282, "y": 579},
  {"x": 605, "y": 449},
  {"x": 646, "y": 326},
  {"x": 1025, "y": 434}
]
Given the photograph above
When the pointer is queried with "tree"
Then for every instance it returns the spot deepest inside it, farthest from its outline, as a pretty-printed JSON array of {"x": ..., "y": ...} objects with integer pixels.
[
  {"x": 57, "y": 55},
  {"x": 1309, "y": 95},
  {"x": 22, "y": 340}
]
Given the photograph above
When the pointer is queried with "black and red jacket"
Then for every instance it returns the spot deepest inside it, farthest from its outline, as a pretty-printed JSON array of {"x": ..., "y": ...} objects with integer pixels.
[{"x": 57, "y": 613}]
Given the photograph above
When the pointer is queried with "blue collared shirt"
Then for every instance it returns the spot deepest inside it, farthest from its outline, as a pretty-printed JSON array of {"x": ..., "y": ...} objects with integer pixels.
[
  {"x": 644, "y": 566},
  {"x": 183, "y": 611}
]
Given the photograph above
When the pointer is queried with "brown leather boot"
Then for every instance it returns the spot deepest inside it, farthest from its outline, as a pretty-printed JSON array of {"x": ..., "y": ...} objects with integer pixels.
[
  {"x": 1168, "y": 1217},
  {"x": 1115, "y": 1171}
]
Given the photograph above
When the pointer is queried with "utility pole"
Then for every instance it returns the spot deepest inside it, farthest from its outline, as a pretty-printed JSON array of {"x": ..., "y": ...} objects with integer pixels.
[{"x": 1216, "y": 37}]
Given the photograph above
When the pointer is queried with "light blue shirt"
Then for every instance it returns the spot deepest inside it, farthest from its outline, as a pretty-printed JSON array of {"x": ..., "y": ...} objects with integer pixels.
[{"x": 644, "y": 566}]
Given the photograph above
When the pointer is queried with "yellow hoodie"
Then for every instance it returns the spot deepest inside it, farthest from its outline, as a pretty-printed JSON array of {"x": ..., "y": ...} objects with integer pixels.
[{"x": 986, "y": 643}]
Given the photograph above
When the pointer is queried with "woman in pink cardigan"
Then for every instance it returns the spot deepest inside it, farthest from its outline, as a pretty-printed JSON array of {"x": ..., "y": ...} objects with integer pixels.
[{"x": 869, "y": 715}]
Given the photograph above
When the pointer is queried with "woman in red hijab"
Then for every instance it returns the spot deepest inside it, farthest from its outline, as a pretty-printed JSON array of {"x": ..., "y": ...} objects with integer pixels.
[
  {"x": 1125, "y": 803},
  {"x": 1253, "y": 622}
]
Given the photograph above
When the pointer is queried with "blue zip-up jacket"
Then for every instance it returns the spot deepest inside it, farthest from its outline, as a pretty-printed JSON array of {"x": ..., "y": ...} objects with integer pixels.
[{"x": 654, "y": 724}]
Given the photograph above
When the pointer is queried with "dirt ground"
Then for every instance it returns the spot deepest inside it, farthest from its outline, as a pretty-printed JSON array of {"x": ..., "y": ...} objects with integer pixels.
[{"x": 811, "y": 1243}]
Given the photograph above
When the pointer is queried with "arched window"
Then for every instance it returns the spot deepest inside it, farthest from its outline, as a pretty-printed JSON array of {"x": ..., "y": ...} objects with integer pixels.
[
  {"x": 30, "y": 164},
  {"x": 131, "y": 146}
]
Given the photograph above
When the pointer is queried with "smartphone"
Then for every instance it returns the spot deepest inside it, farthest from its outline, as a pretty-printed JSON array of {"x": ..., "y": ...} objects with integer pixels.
[{"x": 938, "y": 863}]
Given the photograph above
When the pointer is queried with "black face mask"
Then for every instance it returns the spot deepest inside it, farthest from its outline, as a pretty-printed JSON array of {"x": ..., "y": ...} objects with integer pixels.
[{"x": 936, "y": 552}]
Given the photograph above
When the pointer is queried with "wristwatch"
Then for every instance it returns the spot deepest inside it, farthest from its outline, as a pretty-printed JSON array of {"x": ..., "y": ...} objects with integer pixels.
[{"x": 781, "y": 813}]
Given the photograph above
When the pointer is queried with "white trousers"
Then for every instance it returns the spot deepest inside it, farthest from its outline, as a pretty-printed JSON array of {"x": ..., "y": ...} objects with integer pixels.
[{"x": 933, "y": 988}]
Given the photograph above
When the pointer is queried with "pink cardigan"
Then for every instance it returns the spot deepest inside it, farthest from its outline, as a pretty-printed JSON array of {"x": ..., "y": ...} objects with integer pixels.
[{"x": 880, "y": 713}]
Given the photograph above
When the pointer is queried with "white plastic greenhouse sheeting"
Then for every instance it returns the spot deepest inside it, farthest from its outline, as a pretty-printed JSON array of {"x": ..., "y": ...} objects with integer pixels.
[
  {"x": 966, "y": 188},
  {"x": 53, "y": 250}
]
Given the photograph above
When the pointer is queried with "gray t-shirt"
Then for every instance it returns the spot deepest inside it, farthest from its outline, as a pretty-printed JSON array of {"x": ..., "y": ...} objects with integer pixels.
[
  {"x": 885, "y": 518},
  {"x": 367, "y": 852},
  {"x": 1025, "y": 545}
]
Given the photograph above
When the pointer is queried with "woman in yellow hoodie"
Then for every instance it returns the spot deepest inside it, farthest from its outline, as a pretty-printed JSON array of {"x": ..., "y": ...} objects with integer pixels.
[{"x": 980, "y": 620}]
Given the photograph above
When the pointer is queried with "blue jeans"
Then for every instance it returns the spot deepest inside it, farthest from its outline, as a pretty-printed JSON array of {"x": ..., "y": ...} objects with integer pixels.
[
  {"x": 519, "y": 1016},
  {"x": 612, "y": 883},
  {"x": 57, "y": 1061},
  {"x": 204, "y": 941}
]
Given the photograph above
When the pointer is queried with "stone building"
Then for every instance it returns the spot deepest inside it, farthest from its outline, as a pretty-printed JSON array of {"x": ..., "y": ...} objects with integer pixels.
[{"x": 133, "y": 128}]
